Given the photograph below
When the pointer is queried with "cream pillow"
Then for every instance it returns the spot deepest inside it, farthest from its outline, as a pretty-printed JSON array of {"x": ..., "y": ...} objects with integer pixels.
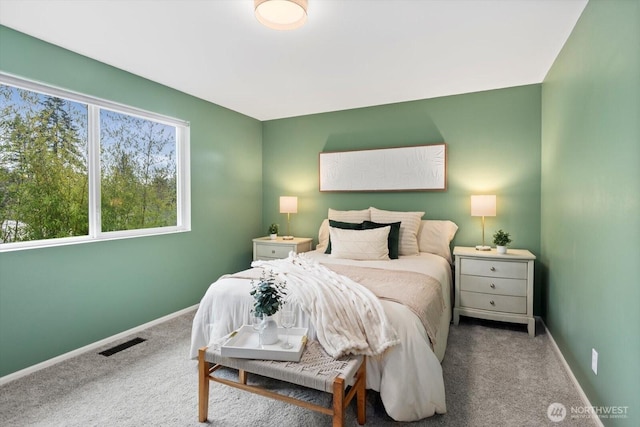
[
  {"x": 350, "y": 216},
  {"x": 360, "y": 244},
  {"x": 435, "y": 237},
  {"x": 409, "y": 226},
  {"x": 323, "y": 236},
  {"x": 343, "y": 216}
]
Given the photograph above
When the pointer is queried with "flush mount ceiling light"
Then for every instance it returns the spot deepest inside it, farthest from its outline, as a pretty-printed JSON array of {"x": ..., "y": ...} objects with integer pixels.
[{"x": 281, "y": 14}]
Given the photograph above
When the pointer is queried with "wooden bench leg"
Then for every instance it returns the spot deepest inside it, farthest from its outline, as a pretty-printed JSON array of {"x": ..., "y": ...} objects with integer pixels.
[
  {"x": 242, "y": 376},
  {"x": 203, "y": 386},
  {"x": 338, "y": 402},
  {"x": 361, "y": 396}
]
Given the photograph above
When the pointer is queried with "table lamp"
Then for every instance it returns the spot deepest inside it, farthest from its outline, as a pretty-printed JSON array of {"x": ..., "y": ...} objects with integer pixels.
[
  {"x": 483, "y": 206},
  {"x": 288, "y": 205}
]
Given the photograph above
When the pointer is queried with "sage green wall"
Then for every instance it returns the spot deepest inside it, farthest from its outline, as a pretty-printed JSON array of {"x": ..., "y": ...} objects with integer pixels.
[
  {"x": 591, "y": 203},
  {"x": 493, "y": 143},
  {"x": 54, "y": 300}
]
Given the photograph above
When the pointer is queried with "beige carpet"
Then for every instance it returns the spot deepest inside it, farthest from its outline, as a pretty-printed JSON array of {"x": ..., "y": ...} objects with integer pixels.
[{"x": 495, "y": 375}]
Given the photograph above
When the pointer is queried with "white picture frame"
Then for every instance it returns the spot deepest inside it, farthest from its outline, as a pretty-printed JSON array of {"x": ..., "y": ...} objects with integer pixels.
[{"x": 415, "y": 168}]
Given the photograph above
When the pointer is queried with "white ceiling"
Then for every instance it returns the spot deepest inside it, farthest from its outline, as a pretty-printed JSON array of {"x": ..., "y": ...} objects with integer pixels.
[{"x": 349, "y": 54}]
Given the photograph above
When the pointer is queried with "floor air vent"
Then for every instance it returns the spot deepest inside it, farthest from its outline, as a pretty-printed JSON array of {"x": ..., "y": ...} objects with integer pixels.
[{"x": 125, "y": 345}]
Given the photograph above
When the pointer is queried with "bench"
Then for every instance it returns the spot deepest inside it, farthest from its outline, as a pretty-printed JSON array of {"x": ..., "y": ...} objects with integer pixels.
[{"x": 315, "y": 370}]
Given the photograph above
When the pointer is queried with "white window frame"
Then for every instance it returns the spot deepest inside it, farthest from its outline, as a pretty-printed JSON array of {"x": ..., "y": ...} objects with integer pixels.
[{"x": 94, "y": 105}]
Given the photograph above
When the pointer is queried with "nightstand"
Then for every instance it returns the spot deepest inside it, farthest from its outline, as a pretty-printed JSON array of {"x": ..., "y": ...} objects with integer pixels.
[
  {"x": 494, "y": 286},
  {"x": 265, "y": 248}
]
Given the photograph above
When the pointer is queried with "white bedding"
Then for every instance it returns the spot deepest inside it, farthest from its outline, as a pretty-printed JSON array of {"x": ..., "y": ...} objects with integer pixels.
[{"x": 408, "y": 376}]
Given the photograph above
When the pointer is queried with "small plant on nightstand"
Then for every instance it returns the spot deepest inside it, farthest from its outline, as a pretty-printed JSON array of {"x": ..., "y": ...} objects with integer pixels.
[
  {"x": 273, "y": 231},
  {"x": 501, "y": 240}
]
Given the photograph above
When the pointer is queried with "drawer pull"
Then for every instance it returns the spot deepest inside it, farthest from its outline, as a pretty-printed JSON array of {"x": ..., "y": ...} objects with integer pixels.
[
  {"x": 492, "y": 269},
  {"x": 492, "y": 302},
  {"x": 492, "y": 286},
  {"x": 273, "y": 251}
]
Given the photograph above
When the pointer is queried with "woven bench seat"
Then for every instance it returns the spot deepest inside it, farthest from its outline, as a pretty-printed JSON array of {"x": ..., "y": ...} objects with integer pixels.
[{"x": 316, "y": 370}]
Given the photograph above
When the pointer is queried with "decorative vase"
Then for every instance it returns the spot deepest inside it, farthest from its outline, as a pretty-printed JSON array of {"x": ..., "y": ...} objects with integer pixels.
[
  {"x": 501, "y": 249},
  {"x": 273, "y": 236},
  {"x": 270, "y": 331}
]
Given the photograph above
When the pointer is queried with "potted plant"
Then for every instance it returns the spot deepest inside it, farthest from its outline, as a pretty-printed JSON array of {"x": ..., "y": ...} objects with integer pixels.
[
  {"x": 501, "y": 240},
  {"x": 268, "y": 296},
  {"x": 273, "y": 231}
]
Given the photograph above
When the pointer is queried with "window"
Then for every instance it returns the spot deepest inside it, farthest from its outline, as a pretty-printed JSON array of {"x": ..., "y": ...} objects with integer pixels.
[{"x": 75, "y": 168}]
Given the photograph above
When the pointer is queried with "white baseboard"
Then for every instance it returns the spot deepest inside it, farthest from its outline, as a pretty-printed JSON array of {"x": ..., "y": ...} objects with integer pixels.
[
  {"x": 573, "y": 378},
  {"x": 31, "y": 369}
]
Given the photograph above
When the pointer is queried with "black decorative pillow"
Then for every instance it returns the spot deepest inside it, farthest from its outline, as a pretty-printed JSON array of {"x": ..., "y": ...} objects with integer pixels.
[
  {"x": 394, "y": 235},
  {"x": 344, "y": 226}
]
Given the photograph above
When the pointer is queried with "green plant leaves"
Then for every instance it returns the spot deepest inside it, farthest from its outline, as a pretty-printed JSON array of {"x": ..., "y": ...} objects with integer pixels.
[{"x": 268, "y": 294}]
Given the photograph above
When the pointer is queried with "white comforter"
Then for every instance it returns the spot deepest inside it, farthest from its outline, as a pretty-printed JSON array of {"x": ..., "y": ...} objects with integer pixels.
[{"x": 408, "y": 376}]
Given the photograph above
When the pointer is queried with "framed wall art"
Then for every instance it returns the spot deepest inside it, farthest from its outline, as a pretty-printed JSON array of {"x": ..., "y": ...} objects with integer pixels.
[{"x": 416, "y": 168}]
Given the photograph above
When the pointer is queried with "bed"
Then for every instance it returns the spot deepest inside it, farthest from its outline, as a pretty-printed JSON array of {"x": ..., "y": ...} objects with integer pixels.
[{"x": 408, "y": 375}]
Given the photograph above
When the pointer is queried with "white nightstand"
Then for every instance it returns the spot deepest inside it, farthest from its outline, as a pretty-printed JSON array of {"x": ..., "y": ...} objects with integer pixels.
[
  {"x": 493, "y": 286},
  {"x": 265, "y": 248}
]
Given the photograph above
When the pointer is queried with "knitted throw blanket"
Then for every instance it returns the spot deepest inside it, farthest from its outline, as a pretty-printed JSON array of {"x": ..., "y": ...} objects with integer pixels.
[{"x": 349, "y": 319}]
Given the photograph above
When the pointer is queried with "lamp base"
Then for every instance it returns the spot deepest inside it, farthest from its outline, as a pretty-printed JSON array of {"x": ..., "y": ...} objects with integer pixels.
[
  {"x": 483, "y": 248},
  {"x": 287, "y": 237}
]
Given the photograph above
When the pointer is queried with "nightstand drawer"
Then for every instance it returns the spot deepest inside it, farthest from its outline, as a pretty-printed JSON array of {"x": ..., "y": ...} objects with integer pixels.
[
  {"x": 503, "y": 303},
  {"x": 494, "y": 285},
  {"x": 273, "y": 251},
  {"x": 266, "y": 249},
  {"x": 493, "y": 268}
]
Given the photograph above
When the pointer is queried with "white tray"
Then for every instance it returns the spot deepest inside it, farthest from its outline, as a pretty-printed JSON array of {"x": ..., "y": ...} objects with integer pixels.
[{"x": 244, "y": 343}]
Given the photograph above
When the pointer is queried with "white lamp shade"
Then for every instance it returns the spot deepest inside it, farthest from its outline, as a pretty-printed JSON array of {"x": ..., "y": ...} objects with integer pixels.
[
  {"x": 281, "y": 14},
  {"x": 483, "y": 205},
  {"x": 288, "y": 204}
]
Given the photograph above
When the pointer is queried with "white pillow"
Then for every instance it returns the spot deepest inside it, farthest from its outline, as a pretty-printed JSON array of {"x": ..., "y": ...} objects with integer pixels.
[
  {"x": 355, "y": 217},
  {"x": 435, "y": 237},
  {"x": 360, "y": 244},
  {"x": 409, "y": 226}
]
